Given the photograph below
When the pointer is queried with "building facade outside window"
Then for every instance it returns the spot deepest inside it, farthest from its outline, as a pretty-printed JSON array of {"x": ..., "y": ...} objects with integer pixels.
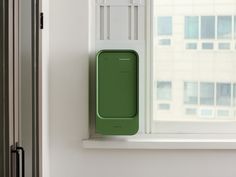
[{"x": 194, "y": 61}]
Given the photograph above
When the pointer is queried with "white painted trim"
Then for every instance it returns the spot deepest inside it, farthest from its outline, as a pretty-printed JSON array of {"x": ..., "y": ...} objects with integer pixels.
[
  {"x": 195, "y": 127},
  {"x": 148, "y": 63},
  {"x": 161, "y": 143}
]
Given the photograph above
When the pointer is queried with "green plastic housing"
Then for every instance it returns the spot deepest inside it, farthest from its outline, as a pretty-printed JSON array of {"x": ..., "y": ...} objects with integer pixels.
[{"x": 117, "y": 92}]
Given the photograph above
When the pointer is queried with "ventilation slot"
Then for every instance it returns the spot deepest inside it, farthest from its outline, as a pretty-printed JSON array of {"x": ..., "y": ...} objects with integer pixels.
[
  {"x": 130, "y": 22},
  {"x": 102, "y": 16},
  {"x": 119, "y": 22},
  {"x": 135, "y": 22},
  {"x": 108, "y": 22}
]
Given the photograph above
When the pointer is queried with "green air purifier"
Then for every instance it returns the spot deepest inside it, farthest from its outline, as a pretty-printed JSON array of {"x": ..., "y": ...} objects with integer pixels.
[{"x": 117, "y": 92}]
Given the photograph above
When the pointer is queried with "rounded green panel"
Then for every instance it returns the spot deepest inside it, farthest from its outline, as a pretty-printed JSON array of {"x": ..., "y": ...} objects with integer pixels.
[{"x": 117, "y": 92}]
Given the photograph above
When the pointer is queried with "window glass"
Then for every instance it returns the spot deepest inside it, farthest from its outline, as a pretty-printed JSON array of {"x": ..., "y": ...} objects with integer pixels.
[
  {"x": 191, "y": 46},
  {"x": 191, "y": 111},
  {"x": 164, "y": 26},
  {"x": 165, "y": 42},
  {"x": 234, "y": 94},
  {"x": 191, "y": 27},
  {"x": 163, "y": 90},
  {"x": 224, "y": 27},
  {"x": 190, "y": 92},
  {"x": 224, "y": 46},
  {"x": 223, "y": 113},
  {"x": 164, "y": 106},
  {"x": 207, "y": 27},
  {"x": 206, "y": 93},
  {"x": 223, "y": 94},
  {"x": 206, "y": 113},
  {"x": 207, "y": 45}
]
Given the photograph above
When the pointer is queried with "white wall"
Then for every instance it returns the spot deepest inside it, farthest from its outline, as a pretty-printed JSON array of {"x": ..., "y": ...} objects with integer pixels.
[
  {"x": 69, "y": 110},
  {"x": 45, "y": 90}
]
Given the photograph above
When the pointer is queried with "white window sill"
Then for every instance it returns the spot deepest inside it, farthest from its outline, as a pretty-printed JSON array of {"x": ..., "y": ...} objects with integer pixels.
[{"x": 140, "y": 142}]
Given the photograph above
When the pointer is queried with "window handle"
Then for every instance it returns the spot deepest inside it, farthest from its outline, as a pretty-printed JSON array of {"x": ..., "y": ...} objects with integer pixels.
[
  {"x": 22, "y": 160},
  {"x": 17, "y": 162}
]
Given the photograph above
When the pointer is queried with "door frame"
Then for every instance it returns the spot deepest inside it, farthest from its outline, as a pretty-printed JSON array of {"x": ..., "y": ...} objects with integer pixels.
[
  {"x": 37, "y": 87},
  {"x": 3, "y": 96},
  {"x": 9, "y": 87},
  {"x": 6, "y": 88}
]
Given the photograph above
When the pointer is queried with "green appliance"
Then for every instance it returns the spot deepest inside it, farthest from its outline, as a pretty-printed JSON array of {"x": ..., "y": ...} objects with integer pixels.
[{"x": 117, "y": 92}]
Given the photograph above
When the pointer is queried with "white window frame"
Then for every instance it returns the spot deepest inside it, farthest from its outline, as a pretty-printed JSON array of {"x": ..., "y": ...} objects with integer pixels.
[{"x": 189, "y": 135}]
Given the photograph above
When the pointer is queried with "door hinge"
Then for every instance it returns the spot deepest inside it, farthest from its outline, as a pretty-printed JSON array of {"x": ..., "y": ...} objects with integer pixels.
[{"x": 41, "y": 20}]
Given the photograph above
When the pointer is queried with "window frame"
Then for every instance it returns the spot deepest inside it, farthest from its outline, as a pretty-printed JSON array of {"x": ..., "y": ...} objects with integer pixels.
[
  {"x": 219, "y": 32},
  {"x": 149, "y": 128},
  {"x": 145, "y": 139}
]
